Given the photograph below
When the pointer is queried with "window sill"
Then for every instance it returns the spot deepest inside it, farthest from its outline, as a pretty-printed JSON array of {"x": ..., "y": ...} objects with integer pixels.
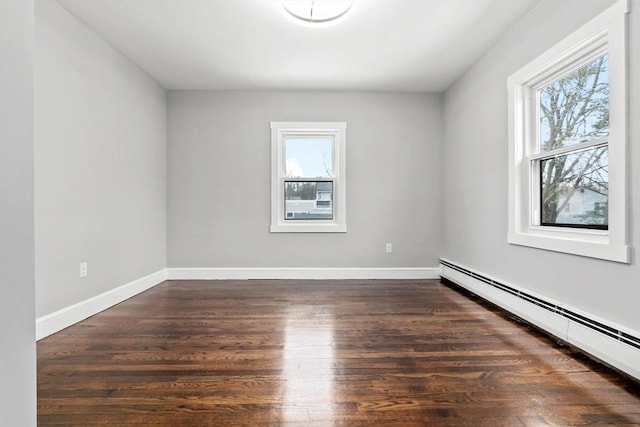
[
  {"x": 592, "y": 244},
  {"x": 308, "y": 228}
]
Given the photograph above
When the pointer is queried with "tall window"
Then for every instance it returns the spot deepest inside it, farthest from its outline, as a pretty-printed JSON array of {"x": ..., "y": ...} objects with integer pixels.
[
  {"x": 571, "y": 151},
  {"x": 567, "y": 117},
  {"x": 308, "y": 177}
]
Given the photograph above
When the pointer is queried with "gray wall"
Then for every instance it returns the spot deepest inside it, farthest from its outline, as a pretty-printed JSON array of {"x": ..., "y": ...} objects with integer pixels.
[
  {"x": 17, "y": 295},
  {"x": 475, "y": 183},
  {"x": 219, "y": 179},
  {"x": 100, "y": 164}
]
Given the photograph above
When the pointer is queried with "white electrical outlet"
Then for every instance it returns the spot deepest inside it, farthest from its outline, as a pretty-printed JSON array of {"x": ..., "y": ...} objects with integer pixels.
[
  {"x": 83, "y": 269},
  {"x": 388, "y": 248}
]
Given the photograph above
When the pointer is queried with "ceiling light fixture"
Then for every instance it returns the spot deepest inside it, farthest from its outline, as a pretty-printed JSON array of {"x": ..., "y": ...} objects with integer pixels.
[{"x": 317, "y": 11}]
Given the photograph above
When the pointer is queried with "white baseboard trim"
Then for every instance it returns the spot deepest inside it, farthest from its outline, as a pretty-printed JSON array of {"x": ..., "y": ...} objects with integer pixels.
[
  {"x": 301, "y": 273},
  {"x": 63, "y": 318},
  {"x": 611, "y": 343}
]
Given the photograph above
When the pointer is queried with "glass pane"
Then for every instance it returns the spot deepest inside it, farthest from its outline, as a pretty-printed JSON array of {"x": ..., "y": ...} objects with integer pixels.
[
  {"x": 308, "y": 200},
  {"x": 574, "y": 189},
  {"x": 308, "y": 157},
  {"x": 575, "y": 108}
]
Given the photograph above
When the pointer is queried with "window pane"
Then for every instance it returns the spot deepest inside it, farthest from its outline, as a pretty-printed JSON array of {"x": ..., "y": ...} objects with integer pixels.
[
  {"x": 308, "y": 157},
  {"x": 308, "y": 200},
  {"x": 574, "y": 189},
  {"x": 575, "y": 108}
]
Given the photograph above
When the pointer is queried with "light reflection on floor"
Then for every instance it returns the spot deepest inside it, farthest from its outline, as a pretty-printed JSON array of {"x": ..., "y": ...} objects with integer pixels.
[{"x": 308, "y": 365}]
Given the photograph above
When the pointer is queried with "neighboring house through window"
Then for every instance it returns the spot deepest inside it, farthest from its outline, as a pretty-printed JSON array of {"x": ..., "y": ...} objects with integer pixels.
[
  {"x": 308, "y": 186},
  {"x": 567, "y": 117}
]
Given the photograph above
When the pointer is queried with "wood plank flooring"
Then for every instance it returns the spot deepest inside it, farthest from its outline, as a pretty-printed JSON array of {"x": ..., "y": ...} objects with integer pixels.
[{"x": 319, "y": 353}]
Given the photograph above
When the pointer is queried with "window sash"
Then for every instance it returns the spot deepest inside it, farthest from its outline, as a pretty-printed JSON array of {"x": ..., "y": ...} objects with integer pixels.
[
  {"x": 535, "y": 176},
  {"x": 569, "y": 195},
  {"x": 311, "y": 136},
  {"x": 549, "y": 77},
  {"x": 591, "y": 49},
  {"x": 312, "y": 209}
]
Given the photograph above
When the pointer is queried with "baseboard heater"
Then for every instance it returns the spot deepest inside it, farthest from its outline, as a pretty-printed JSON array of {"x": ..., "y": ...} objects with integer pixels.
[{"x": 607, "y": 342}]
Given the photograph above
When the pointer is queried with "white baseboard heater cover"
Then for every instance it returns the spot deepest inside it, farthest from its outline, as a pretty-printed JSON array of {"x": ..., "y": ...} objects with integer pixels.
[{"x": 611, "y": 344}]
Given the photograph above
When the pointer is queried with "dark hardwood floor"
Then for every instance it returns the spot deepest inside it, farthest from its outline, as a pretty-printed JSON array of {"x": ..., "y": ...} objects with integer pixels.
[{"x": 319, "y": 353}]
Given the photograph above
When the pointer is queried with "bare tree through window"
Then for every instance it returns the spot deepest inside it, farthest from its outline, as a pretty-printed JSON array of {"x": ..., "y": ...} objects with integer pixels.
[{"x": 573, "y": 110}]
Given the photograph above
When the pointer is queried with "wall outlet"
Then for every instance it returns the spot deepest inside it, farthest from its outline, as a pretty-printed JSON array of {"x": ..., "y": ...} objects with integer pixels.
[
  {"x": 83, "y": 269},
  {"x": 388, "y": 248}
]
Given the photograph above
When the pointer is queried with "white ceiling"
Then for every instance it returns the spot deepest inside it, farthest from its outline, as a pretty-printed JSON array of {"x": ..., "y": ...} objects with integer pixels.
[{"x": 388, "y": 45}]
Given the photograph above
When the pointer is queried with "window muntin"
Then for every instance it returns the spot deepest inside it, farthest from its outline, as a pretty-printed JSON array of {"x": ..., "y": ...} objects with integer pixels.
[{"x": 308, "y": 186}]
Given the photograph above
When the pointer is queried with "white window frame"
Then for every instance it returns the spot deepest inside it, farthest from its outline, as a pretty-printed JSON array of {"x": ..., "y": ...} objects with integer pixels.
[
  {"x": 607, "y": 32},
  {"x": 280, "y": 130}
]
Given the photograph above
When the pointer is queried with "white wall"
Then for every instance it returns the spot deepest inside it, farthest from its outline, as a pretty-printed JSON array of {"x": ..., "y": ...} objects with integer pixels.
[
  {"x": 100, "y": 164},
  {"x": 219, "y": 179},
  {"x": 475, "y": 182},
  {"x": 17, "y": 295}
]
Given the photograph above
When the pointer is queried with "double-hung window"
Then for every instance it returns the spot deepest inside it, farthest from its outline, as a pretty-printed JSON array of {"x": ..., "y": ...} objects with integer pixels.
[
  {"x": 567, "y": 116},
  {"x": 308, "y": 187}
]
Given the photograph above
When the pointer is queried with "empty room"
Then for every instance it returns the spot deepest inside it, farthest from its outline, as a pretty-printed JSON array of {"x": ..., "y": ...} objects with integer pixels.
[{"x": 319, "y": 212}]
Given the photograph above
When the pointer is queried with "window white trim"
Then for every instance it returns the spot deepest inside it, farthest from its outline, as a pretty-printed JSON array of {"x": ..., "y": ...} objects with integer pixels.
[
  {"x": 606, "y": 32},
  {"x": 279, "y": 130}
]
